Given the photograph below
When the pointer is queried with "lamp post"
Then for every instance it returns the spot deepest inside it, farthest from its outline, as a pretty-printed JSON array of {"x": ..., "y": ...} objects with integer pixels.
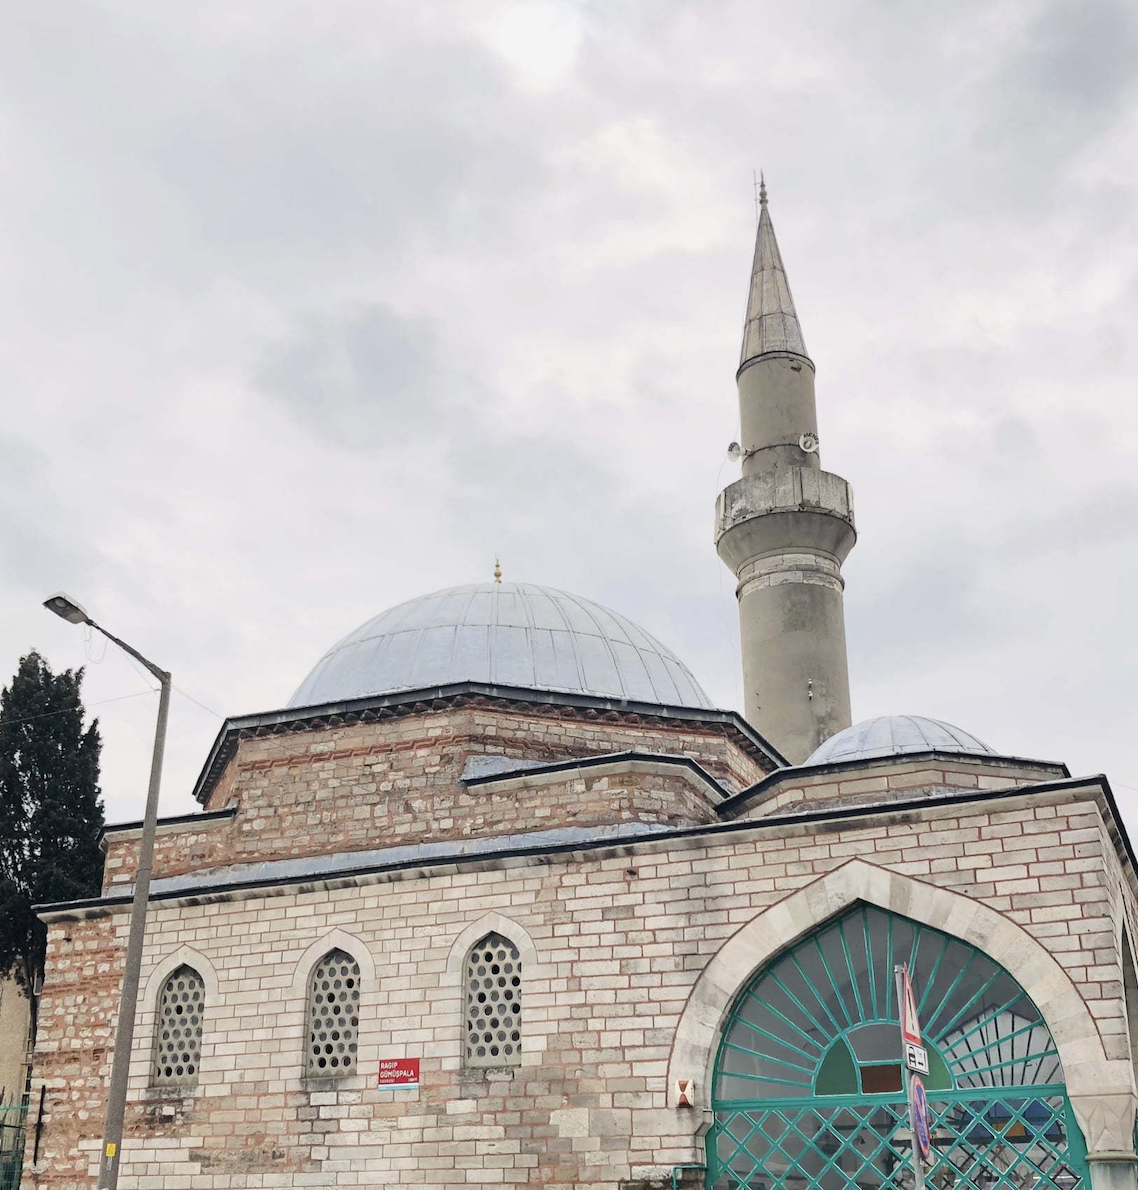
[{"x": 66, "y": 608}]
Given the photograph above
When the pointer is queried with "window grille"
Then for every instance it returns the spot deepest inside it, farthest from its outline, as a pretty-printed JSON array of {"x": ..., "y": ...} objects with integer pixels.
[
  {"x": 333, "y": 1016},
  {"x": 178, "y": 1034},
  {"x": 494, "y": 1003}
]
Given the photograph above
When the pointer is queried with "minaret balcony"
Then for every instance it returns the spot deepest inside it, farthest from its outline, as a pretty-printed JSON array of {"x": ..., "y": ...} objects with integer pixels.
[{"x": 800, "y": 509}]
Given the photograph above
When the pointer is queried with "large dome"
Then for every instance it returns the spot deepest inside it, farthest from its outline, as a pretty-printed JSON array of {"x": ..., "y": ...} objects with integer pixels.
[
  {"x": 892, "y": 735},
  {"x": 512, "y": 634}
]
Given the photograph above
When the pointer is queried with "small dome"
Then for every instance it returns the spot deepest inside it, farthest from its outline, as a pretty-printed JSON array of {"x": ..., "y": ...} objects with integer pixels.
[
  {"x": 891, "y": 735},
  {"x": 512, "y": 634}
]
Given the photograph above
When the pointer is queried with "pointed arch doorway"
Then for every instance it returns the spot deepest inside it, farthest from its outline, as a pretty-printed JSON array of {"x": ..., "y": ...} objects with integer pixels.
[{"x": 807, "y": 1092}]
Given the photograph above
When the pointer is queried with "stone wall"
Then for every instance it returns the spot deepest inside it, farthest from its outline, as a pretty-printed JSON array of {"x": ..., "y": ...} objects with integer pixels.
[
  {"x": 374, "y": 785},
  {"x": 889, "y": 778},
  {"x": 613, "y": 945}
]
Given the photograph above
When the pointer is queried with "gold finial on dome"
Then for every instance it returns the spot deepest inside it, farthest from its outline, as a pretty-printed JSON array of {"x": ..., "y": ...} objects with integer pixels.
[{"x": 497, "y": 570}]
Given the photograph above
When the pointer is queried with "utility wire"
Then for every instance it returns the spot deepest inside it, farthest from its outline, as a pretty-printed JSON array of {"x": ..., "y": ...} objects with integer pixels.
[
  {"x": 142, "y": 673},
  {"x": 147, "y": 678},
  {"x": 199, "y": 703},
  {"x": 104, "y": 701},
  {"x": 88, "y": 642},
  {"x": 71, "y": 710},
  {"x": 89, "y": 634}
]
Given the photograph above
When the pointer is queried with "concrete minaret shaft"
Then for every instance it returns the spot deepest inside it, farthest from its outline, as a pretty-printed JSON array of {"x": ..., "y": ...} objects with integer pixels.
[{"x": 785, "y": 527}]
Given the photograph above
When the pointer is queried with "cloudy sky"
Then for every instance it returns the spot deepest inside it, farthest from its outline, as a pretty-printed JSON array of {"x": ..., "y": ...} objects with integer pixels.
[{"x": 308, "y": 308}]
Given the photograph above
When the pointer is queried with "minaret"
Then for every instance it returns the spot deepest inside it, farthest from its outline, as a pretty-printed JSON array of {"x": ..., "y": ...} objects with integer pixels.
[{"x": 785, "y": 527}]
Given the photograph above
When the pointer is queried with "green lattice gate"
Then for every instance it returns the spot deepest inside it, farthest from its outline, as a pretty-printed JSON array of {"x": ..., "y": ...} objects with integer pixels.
[
  {"x": 13, "y": 1120},
  {"x": 807, "y": 1092}
]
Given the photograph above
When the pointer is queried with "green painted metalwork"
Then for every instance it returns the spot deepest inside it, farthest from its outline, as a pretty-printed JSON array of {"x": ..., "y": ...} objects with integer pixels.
[
  {"x": 13, "y": 1122},
  {"x": 807, "y": 1096}
]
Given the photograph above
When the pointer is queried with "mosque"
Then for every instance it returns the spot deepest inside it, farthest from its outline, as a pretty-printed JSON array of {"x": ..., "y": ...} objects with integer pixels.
[{"x": 501, "y": 898}]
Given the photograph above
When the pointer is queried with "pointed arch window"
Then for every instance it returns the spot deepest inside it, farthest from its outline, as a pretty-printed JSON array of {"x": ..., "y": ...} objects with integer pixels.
[
  {"x": 178, "y": 1031},
  {"x": 333, "y": 1016},
  {"x": 493, "y": 1003}
]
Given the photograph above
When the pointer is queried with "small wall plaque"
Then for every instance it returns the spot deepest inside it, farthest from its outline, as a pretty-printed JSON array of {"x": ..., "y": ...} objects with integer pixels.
[{"x": 399, "y": 1072}]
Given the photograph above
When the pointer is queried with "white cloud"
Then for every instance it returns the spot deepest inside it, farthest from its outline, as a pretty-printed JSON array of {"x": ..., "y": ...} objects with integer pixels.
[
  {"x": 538, "y": 39},
  {"x": 307, "y": 309}
]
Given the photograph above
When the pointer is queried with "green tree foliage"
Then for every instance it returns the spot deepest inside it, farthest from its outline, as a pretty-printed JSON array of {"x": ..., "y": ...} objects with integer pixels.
[{"x": 51, "y": 812}]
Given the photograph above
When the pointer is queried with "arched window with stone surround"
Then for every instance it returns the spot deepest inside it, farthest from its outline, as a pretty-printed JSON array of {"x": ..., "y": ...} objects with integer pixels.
[
  {"x": 493, "y": 1003},
  {"x": 333, "y": 1016},
  {"x": 178, "y": 1029}
]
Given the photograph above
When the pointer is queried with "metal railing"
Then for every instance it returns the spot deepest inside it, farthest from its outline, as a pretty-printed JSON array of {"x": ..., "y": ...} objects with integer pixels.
[{"x": 13, "y": 1130}]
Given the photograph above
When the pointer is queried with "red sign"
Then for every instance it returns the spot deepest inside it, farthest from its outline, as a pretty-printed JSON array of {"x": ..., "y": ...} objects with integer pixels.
[
  {"x": 399, "y": 1072},
  {"x": 910, "y": 1024}
]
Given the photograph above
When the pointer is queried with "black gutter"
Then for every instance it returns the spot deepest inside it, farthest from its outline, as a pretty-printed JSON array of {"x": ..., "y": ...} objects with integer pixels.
[
  {"x": 837, "y": 767},
  {"x": 225, "y": 742},
  {"x": 713, "y": 829},
  {"x": 589, "y": 762}
]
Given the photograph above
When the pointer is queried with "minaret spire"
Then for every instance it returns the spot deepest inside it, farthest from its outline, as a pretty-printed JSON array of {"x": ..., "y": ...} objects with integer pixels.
[
  {"x": 786, "y": 527},
  {"x": 772, "y": 321}
]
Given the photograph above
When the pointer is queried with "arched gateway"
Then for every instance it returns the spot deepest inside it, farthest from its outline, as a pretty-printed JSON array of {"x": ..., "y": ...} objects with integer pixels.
[{"x": 808, "y": 1092}]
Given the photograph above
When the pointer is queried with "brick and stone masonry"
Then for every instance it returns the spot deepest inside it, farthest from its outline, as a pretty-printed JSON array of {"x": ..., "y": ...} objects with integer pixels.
[{"x": 624, "y": 944}]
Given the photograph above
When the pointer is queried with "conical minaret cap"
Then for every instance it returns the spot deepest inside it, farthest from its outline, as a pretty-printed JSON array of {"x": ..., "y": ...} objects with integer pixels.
[{"x": 772, "y": 322}]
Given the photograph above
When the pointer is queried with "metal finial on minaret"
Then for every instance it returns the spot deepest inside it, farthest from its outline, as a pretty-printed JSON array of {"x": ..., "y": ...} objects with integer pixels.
[
  {"x": 497, "y": 570},
  {"x": 760, "y": 188}
]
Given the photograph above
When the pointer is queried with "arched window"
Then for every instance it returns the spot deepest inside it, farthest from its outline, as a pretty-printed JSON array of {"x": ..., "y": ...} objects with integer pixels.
[
  {"x": 493, "y": 1003},
  {"x": 808, "y": 1090},
  {"x": 333, "y": 1016},
  {"x": 178, "y": 1031}
]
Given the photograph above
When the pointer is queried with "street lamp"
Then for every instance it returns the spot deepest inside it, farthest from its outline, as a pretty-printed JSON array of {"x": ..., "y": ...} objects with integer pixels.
[{"x": 66, "y": 608}]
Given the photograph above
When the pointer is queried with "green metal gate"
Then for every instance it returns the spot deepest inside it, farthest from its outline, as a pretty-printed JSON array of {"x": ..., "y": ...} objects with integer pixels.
[
  {"x": 808, "y": 1095},
  {"x": 13, "y": 1120}
]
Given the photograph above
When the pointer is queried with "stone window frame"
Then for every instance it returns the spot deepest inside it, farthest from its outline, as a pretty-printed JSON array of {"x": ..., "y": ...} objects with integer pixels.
[
  {"x": 304, "y": 964},
  {"x": 493, "y": 985},
  {"x": 180, "y": 1006},
  {"x": 536, "y": 976},
  {"x": 149, "y": 1023},
  {"x": 325, "y": 992}
]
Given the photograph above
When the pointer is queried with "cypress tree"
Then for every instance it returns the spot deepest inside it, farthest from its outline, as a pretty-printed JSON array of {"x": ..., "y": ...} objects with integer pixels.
[{"x": 51, "y": 811}]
